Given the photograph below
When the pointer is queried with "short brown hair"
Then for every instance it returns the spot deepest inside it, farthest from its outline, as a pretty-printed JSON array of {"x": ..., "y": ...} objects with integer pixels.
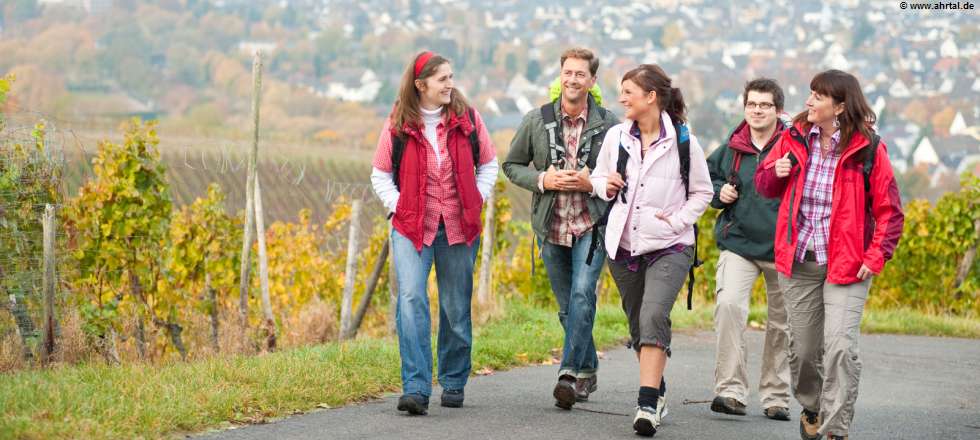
[
  {"x": 765, "y": 85},
  {"x": 582, "y": 54}
]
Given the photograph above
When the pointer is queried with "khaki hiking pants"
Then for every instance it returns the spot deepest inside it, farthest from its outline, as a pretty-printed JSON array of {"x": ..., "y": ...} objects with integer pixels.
[
  {"x": 736, "y": 276},
  {"x": 824, "y": 324}
]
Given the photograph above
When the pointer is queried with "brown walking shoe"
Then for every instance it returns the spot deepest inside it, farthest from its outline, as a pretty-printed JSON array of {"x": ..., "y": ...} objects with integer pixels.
[
  {"x": 565, "y": 392},
  {"x": 727, "y": 405},
  {"x": 584, "y": 387},
  {"x": 810, "y": 425}
]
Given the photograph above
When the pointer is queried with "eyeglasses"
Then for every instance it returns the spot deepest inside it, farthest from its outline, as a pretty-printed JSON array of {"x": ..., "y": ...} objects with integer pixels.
[{"x": 759, "y": 105}]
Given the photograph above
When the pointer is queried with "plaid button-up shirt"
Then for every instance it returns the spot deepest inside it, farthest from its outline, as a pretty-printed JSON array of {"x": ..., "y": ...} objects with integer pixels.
[
  {"x": 570, "y": 218},
  {"x": 818, "y": 193}
]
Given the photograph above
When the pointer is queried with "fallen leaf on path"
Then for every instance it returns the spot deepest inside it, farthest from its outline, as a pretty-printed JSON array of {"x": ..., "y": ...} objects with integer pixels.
[{"x": 485, "y": 371}]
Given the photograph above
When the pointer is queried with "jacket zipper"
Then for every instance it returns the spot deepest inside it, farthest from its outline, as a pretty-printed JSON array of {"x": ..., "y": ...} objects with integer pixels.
[
  {"x": 792, "y": 197},
  {"x": 789, "y": 223}
]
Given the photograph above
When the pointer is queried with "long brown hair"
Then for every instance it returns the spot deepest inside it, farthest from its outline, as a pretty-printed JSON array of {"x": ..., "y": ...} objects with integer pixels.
[
  {"x": 650, "y": 77},
  {"x": 407, "y": 106},
  {"x": 842, "y": 87}
]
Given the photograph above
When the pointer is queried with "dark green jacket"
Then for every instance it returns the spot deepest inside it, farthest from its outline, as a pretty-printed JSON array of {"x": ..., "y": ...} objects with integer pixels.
[
  {"x": 747, "y": 226},
  {"x": 530, "y": 146}
]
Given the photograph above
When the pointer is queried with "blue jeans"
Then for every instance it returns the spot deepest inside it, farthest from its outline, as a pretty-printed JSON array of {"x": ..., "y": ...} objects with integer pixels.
[
  {"x": 574, "y": 284},
  {"x": 454, "y": 274}
]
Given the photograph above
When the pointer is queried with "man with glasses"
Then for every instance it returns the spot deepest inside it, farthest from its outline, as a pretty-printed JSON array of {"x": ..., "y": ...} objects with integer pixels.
[
  {"x": 744, "y": 233},
  {"x": 561, "y": 141}
]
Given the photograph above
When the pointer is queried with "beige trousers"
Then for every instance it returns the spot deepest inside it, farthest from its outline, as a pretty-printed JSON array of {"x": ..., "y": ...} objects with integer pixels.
[
  {"x": 736, "y": 276},
  {"x": 824, "y": 324}
]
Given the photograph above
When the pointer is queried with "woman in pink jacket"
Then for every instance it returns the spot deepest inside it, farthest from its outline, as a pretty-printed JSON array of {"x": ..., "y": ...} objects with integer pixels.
[{"x": 650, "y": 231}]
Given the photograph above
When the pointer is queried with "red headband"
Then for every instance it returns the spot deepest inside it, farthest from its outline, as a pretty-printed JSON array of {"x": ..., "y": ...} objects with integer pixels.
[{"x": 421, "y": 61}]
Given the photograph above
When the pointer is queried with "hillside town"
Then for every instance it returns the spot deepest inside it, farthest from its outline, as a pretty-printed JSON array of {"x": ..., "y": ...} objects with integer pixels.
[{"x": 918, "y": 68}]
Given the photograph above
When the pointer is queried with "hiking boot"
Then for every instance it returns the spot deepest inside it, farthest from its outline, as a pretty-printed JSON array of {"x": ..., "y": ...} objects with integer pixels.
[
  {"x": 565, "y": 392},
  {"x": 777, "y": 413},
  {"x": 810, "y": 425},
  {"x": 584, "y": 387},
  {"x": 727, "y": 405},
  {"x": 452, "y": 398},
  {"x": 646, "y": 421},
  {"x": 415, "y": 404}
]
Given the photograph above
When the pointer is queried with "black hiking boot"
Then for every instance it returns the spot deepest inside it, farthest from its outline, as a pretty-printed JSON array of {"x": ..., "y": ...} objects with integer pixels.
[{"x": 415, "y": 404}]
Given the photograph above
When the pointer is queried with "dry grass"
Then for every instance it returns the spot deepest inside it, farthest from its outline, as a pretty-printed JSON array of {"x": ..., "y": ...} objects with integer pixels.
[
  {"x": 71, "y": 346},
  {"x": 315, "y": 324},
  {"x": 11, "y": 353}
]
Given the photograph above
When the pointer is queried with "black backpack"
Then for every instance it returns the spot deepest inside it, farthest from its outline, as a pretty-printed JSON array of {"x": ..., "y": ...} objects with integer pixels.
[
  {"x": 684, "y": 152},
  {"x": 557, "y": 151},
  {"x": 555, "y": 141},
  {"x": 398, "y": 149}
]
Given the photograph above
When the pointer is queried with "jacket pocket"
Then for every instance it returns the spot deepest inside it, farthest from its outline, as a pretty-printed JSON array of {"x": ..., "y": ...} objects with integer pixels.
[{"x": 651, "y": 228}]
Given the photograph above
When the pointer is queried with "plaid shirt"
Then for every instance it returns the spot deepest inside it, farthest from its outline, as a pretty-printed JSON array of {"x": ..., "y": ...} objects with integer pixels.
[
  {"x": 570, "y": 218},
  {"x": 818, "y": 193}
]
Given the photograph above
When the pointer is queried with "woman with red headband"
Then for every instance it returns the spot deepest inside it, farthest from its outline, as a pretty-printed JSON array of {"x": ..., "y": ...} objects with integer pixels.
[{"x": 434, "y": 166}]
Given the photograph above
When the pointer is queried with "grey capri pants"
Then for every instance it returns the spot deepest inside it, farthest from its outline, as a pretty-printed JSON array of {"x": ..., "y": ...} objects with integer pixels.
[{"x": 648, "y": 295}]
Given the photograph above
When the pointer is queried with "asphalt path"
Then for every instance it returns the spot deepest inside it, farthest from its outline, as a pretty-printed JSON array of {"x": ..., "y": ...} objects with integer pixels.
[{"x": 911, "y": 388}]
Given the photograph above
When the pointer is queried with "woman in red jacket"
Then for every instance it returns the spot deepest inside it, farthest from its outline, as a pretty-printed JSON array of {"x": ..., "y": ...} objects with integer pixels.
[{"x": 839, "y": 222}]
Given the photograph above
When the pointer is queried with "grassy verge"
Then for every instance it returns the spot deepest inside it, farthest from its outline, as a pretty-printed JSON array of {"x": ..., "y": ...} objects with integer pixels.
[
  {"x": 900, "y": 321},
  {"x": 910, "y": 322},
  {"x": 144, "y": 401}
]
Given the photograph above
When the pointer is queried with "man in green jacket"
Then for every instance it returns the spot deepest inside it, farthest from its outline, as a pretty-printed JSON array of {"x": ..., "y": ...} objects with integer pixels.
[
  {"x": 561, "y": 141},
  {"x": 744, "y": 232}
]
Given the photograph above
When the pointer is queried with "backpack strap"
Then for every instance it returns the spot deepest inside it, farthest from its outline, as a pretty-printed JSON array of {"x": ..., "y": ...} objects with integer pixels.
[
  {"x": 798, "y": 138},
  {"x": 556, "y": 150},
  {"x": 621, "y": 160},
  {"x": 733, "y": 177},
  {"x": 474, "y": 139},
  {"x": 397, "y": 151},
  {"x": 684, "y": 152},
  {"x": 736, "y": 162},
  {"x": 869, "y": 161},
  {"x": 398, "y": 148}
]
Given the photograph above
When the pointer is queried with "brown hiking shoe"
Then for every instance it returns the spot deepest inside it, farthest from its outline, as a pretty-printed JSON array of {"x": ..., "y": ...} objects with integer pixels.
[
  {"x": 809, "y": 425},
  {"x": 584, "y": 387},
  {"x": 727, "y": 405},
  {"x": 565, "y": 392}
]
